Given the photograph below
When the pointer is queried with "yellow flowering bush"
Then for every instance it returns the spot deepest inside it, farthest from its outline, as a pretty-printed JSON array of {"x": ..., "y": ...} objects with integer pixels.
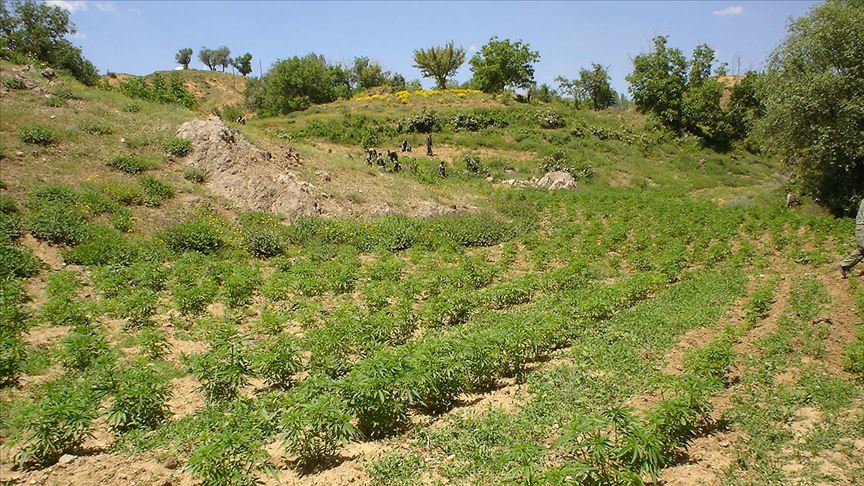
[{"x": 404, "y": 96}]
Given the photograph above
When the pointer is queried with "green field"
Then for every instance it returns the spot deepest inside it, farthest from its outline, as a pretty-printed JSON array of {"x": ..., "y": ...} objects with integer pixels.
[{"x": 669, "y": 321}]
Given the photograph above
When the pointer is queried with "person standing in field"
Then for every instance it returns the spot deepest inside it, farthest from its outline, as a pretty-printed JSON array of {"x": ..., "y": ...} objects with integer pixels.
[
  {"x": 429, "y": 145},
  {"x": 856, "y": 256}
]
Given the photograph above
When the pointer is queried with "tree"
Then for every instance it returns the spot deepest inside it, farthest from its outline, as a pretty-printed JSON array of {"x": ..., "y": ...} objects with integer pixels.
[
  {"x": 38, "y": 30},
  {"x": 501, "y": 64},
  {"x": 596, "y": 88},
  {"x": 367, "y": 74},
  {"x": 243, "y": 63},
  {"x": 184, "y": 57},
  {"x": 221, "y": 57},
  {"x": 294, "y": 84},
  {"x": 813, "y": 93},
  {"x": 439, "y": 63},
  {"x": 658, "y": 83},
  {"x": 397, "y": 82},
  {"x": 205, "y": 55}
]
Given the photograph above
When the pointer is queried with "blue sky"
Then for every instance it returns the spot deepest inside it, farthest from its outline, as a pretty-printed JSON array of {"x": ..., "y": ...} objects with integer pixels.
[{"x": 141, "y": 37}]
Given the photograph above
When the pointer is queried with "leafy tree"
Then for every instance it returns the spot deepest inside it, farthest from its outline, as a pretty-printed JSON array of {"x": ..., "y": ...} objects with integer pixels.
[
  {"x": 367, "y": 74},
  {"x": 592, "y": 86},
  {"x": 658, "y": 83},
  {"x": 205, "y": 55},
  {"x": 37, "y": 30},
  {"x": 501, "y": 64},
  {"x": 294, "y": 84},
  {"x": 439, "y": 62},
  {"x": 184, "y": 57},
  {"x": 397, "y": 82},
  {"x": 543, "y": 93},
  {"x": 243, "y": 63},
  {"x": 814, "y": 102},
  {"x": 221, "y": 57}
]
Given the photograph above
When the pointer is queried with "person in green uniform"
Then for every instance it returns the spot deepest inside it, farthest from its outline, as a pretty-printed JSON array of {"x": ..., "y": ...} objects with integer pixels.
[{"x": 856, "y": 256}]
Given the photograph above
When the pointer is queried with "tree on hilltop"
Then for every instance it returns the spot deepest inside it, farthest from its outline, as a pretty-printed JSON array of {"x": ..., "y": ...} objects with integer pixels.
[
  {"x": 205, "y": 55},
  {"x": 439, "y": 63},
  {"x": 503, "y": 64},
  {"x": 184, "y": 57},
  {"x": 243, "y": 63},
  {"x": 222, "y": 57}
]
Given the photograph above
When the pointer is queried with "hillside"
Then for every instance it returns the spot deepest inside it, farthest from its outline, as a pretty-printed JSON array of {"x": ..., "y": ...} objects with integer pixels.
[
  {"x": 215, "y": 89},
  {"x": 668, "y": 322}
]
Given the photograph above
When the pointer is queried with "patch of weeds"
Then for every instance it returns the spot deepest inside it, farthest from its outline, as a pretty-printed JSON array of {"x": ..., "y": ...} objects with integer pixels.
[
  {"x": 130, "y": 164},
  {"x": 277, "y": 360},
  {"x": 37, "y": 135},
  {"x": 194, "y": 235},
  {"x": 130, "y": 108},
  {"x": 177, "y": 147},
  {"x": 195, "y": 174},
  {"x": 396, "y": 469},
  {"x": 97, "y": 128},
  {"x": 139, "y": 399},
  {"x": 224, "y": 369},
  {"x": 155, "y": 190}
]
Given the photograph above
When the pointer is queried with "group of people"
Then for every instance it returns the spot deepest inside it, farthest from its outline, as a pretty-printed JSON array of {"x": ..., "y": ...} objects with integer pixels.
[{"x": 375, "y": 158}]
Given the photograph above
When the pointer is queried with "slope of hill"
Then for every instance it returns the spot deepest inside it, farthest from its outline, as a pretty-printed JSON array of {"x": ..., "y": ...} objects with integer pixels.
[
  {"x": 214, "y": 89},
  {"x": 667, "y": 322}
]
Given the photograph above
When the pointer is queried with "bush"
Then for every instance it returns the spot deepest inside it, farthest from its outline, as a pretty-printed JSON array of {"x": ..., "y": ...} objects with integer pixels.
[
  {"x": 17, "y": 261},
  {"x": 138, "y": 308},
  {"x": 97, "y": 128},
  {"x": 14, "y": 83},
  {"x": 315, "y": 426},
  {"x": 195, "y": 174},
  {"x": 550, "y": 119},
  {"x": 139, "y": 400},
  {"x": 240, "y": 284},
  {"x": 224, "y": 369},
  {"x": 560, "y": 161},
  {"x": 56, "y": 102},
  {"x": 159, "y": 90},
  {"x": 37, "y": 135},
  {"x": 194, "y": 288},
  {"x": 277, "y": 360},
  {"x": 176, "y": 146},
  {"x": 12, "y": 353},
  {"x": 155, "y": 190},
  {"x": 129, "y": 164},
  {"x": 193, "y": 235},
  {"x": 58, "y": 423},
  {"x": 123, "y": 192},
  {"x": 229, "y": 458},
  {"x": 59, "y": 223},
  {"x": 82, "y": 348},
  {"x": 426, "y": 122},
  {"x": 710, "y": 362},
  {"x": 131, "y": 108},
  {"x": 102, "y": 246}
]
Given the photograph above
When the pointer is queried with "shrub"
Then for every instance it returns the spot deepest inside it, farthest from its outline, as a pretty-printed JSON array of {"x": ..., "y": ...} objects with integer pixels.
[
  {"x": 240, "y": 284},
  {"x": 12, "y": 353},
  {"x": 277, "y": 360},
  {"x": 195, "y": 174},
  {"x": 155, "y": 190},
  {"x": 710, "y": 362},
  {"x": 550, "y": 119},
  {"x": 97, "y": 128},
  {"x": 315, "y": 426},
  {"x": 224, "y": 369},
  {"x": 193, "y": 235},
  {"x": 65, "y": 92},
  {"x": 17, "y": 261},
  {"x": 55, "y": 102},
  {"x": 473, "y": 165},
  {"x": 59, "y": 223},
  {"x": 229, "y": 458},
  {"x": 426, "y": 122},
  {"x": 138, "y": 308},
  {"x": 193, "y": 289},
  {"x": 153, "y": 342},
  {"x": 11, "y": 226},
  {"x": 139, "y": 400},
  {"x": 176, "y": 146},
  {"x": 123, "y": 192},
  {"x": 229, "y": 113},
  {"x": 14, "y": 83},
  {"x": 131, "y": 108},
  {"x": 396, "y": 469},
  {"x": 101, "y": 246},
  {"x": 560, "y": 161},
  {"x": 58, "y": 423},
  {"x": 37, "y": 135},
  {"x": 159, "y": 90},
  {"x": 82, "y": 348},
  {"x": 129, "y": 164}
]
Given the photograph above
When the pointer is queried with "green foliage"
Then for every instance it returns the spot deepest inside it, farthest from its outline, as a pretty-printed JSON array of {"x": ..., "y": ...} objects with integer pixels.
[
  {"x": 426, "y": 122},
  {"x": 193, "y": 287},
  {"x": 560, "y": 161},
  {"x": 193, "y": 235},
  {"x": 129, "y": 164},
  {"x": 58, "y": 422},
  {"x": 176, "y": 146},
  {"x": 503, "y": 64},
  {"x": 367, "y": 74},
  {"x": 56, "y": 218},
  {"x": 155, "y": 191},
  {"x": 592, "y": 87},
  {"x": 277, "y": 360},
  {"x": 13, "y": 351},
  {"x": 396, "y": 470},
  {"x": 83, "y": 348},
  {"x": 229, "y": 458},
  {"x": 243, "y": 63},
  {"x": 550, "y": 119},
  {"x": 439, "y": 62},
  {"x": 813, "y": 107},
  {"x": 138, "y": 308},
  {"x": 97, "y": 128},
  {"x": 263, "y": 236},
  {"x": 101, "y": 246},
  {"x": 315, "y": 424},
  {"x": 195, "y": 174},
  {"x": 13, "y": 83},
  {"x": 229, "y": 113},
  {"x": 130, "y": 108},
  {"x": 38, "y": 30},
  {"x": 17, "y": 261},
  {"x": 159, "y": 90},
  {"x": 711, "y": 362},
  {"x": 139, "y": 399},
  {"x": 184, "y": 57},
  {"x": 55, "y": 102},
  {"x": 293, "y": 84},
  {"x": 37, "y": 135},
  {"x": 224, "y": 369},
  {"x": 239, "y": 285}
]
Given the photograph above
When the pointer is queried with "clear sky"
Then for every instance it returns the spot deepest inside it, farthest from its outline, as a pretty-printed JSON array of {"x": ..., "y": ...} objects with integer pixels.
[{"x": 141, "y": 37}]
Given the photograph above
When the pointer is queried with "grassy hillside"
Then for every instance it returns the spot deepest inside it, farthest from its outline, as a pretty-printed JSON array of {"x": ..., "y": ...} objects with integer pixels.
[{"x": 668, "y": 322}]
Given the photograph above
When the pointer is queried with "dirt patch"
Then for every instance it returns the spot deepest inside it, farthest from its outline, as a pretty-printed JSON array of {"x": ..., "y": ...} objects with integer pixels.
[
  {"x": 244, "y": 174},
  {"x": 186, "y": 398},
  {"x": 104, "y": 470},
  {"x": 841, "y": 324},
  {"x": 708, "y": 457},
  {"x": 692, "y": 339}
]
